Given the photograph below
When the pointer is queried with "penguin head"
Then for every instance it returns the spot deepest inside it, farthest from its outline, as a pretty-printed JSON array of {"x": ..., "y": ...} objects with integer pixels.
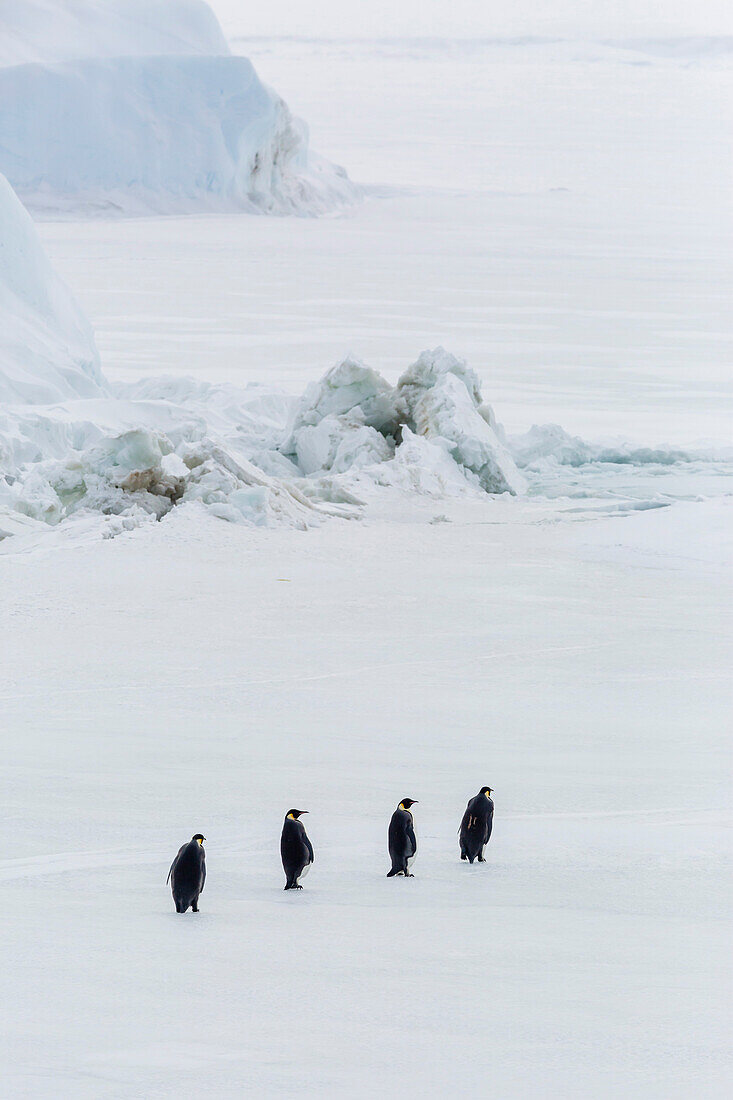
[
  {"x": 488, "y": 791},
  {"x": 406, "y": 803},
  {"x": 295, "y": 814},
  {"x": 199, "y": 837}
]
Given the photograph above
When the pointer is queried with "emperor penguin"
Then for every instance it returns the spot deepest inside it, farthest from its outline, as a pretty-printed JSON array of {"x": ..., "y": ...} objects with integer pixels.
[
  {"x": 476, "y": 826},
  {"x": 188, "y": 874},
  {"x": 296, "y": 849},
  {"x": 402, "y": 840}
]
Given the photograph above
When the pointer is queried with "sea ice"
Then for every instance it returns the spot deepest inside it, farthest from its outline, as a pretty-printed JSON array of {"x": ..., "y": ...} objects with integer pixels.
[
  {"x": 440, "y": 396},
  {"x": 349, "y": 387}
]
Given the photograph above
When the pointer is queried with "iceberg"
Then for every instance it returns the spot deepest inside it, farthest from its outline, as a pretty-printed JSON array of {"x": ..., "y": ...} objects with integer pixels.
[
  {"x": 47, "y": 351},
  {"x": 136, "y": 107}
]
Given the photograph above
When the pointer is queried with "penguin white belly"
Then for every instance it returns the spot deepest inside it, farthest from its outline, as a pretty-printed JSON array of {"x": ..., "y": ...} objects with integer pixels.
[{"x": 304, "y": 872}]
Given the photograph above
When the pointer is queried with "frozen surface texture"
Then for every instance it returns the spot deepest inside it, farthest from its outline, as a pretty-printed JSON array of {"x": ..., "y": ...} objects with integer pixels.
[
  {"x": 47, "y": 350},
  {"x": 170, "y": 122}
]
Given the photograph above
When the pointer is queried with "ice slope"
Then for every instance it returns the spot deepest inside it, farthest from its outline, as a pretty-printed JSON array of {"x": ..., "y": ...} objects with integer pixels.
[
  {"x": 166, "y": 121},
  {"x": 47, "y": 350}
]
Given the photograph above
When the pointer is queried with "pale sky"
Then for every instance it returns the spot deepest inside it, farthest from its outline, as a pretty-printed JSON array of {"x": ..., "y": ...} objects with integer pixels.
[{"x": 481, "y": 18}]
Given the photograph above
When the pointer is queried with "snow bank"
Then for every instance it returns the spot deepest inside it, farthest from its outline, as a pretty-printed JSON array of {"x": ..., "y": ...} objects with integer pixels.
[
  {"x": 141, "y": 107},
  {"x": 47, "y": 350}
]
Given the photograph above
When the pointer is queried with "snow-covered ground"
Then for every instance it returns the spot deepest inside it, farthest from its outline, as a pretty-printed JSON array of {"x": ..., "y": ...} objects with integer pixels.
[
  {"x": 553, "y": 213},
  {"x": 199, "y": 675}
]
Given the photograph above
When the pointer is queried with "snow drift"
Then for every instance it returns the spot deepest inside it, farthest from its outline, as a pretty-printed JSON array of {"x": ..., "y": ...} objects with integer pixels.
[
  {"x": 137, "y": 107},
  {"x": 47, "y": 351}
]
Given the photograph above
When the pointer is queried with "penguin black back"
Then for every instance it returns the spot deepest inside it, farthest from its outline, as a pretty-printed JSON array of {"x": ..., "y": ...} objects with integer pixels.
[
  {"x": 401, "y": 839},
  {"x": 296, "y": 849},
  {"x": 476, "y": 826},
  {"x": 187, "y": 874}
]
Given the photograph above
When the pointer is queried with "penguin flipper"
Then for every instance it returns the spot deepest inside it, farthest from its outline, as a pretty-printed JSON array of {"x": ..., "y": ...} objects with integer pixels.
[
  {"x": 175, "y": 861},
  {"x": 411, "y": 838}
]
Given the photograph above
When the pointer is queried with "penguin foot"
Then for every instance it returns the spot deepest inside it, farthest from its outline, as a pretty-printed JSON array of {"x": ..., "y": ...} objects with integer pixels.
[
  {"x": 463, "y": 855},
  {"x": 408, "y": 875},
  {"x": 481, "y": 859},
  {"x": 194, "y": 908}
]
